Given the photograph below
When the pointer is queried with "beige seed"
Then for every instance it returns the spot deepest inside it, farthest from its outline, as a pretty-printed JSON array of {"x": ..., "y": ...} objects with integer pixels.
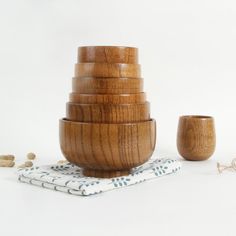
[
  {"x": 61, "y": 161},
  {"x": 7, "y": 157},
  {"x": 21, "y": 166},
  {"x": 28, "y": 163},
  {"x": 7, "y": 163},
  {"x": 31, "y": 156}
]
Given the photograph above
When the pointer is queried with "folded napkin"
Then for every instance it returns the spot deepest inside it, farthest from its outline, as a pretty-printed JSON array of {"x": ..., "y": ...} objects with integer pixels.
[{"x": 68, "y": 178}]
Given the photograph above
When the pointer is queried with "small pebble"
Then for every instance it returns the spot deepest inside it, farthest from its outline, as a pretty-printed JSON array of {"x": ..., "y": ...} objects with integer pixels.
[
  {"x": 31, "y": 156},
  {"x": 7, "y": 157},
  {"x": 7, "y": 163}
]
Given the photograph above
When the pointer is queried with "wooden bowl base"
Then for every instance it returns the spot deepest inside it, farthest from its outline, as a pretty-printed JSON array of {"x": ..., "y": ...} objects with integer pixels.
[{"x": 104, "y": 174}]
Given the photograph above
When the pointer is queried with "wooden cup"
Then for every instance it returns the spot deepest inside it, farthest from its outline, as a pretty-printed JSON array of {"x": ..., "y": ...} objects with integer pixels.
[
  {"x": 108, "y": 54},
  {"x": 107, "y": 70},
  {"x": 108, "y": 98},
  {"x": 196, "y": 137},
  {"x": 108, "y": 113},
  {"x": 93, "y": 85},
  {"x": 107, "y": 150}
]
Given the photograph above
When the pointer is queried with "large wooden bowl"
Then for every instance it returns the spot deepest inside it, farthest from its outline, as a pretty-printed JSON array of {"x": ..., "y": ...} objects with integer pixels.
[
  {"x": 108, "y": 113},
  {"x": 108, "y": 98},
  {"x": 107, "y": 70},
  {"x": 108, "y": 54},
  {"x": 94, "y": 85},
  {"x": 107, "y": 150}
]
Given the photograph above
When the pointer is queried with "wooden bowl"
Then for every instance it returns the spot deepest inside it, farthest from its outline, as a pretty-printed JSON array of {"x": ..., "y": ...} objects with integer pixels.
[
  {"x": 107, "y": 70},
  {"x": 107, "y": 150},
  {"x": 108, "y": 98},
  {"x": 108, "y": 54},
  {"x": 108, "y": 113},
  {"x": 93, "y": 85}
]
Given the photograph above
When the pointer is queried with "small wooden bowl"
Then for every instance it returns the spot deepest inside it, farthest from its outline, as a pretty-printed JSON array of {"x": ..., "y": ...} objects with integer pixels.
[
  {"x": 108, "y": 113},
  {"x": 107, "y": 150},
  {"x": 107, "y": 70},
  {"x": 108, "y": 98},
  {"x": 93, "y": 85},
  {"x": 108, "y": 54}
]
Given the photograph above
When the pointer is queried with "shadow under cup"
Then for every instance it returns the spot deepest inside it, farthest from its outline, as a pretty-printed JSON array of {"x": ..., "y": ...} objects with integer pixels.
[{"x": 196, "y": 138}]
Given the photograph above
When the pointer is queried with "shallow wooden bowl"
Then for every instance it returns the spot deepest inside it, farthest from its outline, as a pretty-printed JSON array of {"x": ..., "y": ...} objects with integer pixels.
[
  {"x": 108, "y": 54},
  {"x": 93, "y": 85},
  {"x": 107, "y": 150},
  {"x": 107, "y": 70},
  {"x": 108, "y": 98},
  {"x": 108, "y": 113}
]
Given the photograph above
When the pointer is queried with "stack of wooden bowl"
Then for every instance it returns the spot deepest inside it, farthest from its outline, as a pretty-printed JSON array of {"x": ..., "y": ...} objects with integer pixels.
[{"x": 107, "y": 129}]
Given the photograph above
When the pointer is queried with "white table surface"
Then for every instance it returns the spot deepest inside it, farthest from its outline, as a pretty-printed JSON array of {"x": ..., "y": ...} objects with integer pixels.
[{"x": 195, "y": 201}]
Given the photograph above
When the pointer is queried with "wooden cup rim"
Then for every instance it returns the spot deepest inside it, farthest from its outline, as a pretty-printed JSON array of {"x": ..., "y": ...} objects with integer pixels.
[{"x": 197, "y": 117}]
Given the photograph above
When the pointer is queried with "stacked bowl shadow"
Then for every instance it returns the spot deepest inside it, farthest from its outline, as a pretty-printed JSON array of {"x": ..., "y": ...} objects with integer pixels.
[{"x": 107, "y": 129}]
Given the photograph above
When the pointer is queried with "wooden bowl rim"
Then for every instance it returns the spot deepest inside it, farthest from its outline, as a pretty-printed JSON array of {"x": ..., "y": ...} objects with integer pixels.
[
  {"x": 107, "y": 78},
  {"x": 108, "y": 104},
  {"x": 109, "y": 94},
  {"x": 105, "y": 63},
  {"x": 65, "y": 120},
  {"x": 107, "y": 46}
]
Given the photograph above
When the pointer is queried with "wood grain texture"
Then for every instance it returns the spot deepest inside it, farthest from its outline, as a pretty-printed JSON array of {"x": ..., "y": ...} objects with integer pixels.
[
  {"x": 108, "y": 54},
  {"x": 107, "y": 98},
  {"x": 107, "y": 129},
  {"x": 107, "y": 70},
  {"x": 93, "y": 85},
  {"x": 196, "y": 137},
  {"x": 108, "y": 113},
  {"x": 107, "y": 150}
]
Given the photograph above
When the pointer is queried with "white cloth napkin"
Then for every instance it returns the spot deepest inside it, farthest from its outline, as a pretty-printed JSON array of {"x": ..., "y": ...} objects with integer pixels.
[{"x": 68, "y": 178}]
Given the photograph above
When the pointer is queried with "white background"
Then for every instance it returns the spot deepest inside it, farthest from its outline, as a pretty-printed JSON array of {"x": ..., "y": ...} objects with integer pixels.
[{"x": 187, "y": 51}]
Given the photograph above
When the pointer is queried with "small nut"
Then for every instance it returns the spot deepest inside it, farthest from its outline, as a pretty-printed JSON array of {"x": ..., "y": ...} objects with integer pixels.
[
  {"x": 7, "y": 163},
  {"x": 62, "y": 162},
  {"x": 7, "y": 157},
  {"x": 21, "y": 166},
  {"x": 28, "y": 164},
  {"x": 31, "y": 156}
]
